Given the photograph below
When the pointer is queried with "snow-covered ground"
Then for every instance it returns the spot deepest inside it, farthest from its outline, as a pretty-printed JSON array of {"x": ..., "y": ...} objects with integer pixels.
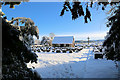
[{"x": 74, "y": 65}]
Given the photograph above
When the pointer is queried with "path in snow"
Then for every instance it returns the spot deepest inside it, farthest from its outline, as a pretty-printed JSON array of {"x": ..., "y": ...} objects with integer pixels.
[
  {"x": 74, "y": 65},
  {"x": 100, "y": 68}
]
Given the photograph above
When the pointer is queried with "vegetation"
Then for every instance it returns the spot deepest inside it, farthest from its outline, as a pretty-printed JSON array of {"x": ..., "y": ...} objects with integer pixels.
[
  {"x": 27, "y": 31},
  {"x": 112, "y": 42},
  {"x": 46, "y": 41},
  {"x": 15, "y": 55},
  {"x": 16, "y": 41}
]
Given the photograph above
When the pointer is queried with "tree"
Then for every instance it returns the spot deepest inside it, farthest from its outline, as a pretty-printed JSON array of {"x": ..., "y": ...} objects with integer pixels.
[
  {"x": 46, "y": 41},
  {"x": 37, "y": 41},
  {"x": 76, "y": 8},
  {"x": 15, "y": 51},
  {"x": 112, "y": 42},
  {"x": 51, "y": 35},
  {"x": 12, "y": 3},
  {"x": 27, "y": 31},
  {"x": 15, "y": 55}
]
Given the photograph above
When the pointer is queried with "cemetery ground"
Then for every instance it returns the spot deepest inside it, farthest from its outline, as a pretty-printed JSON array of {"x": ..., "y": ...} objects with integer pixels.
[{"x": 81, "y": 64}]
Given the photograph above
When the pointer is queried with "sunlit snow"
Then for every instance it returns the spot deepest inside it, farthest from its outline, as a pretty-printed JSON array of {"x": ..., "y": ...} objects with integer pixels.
[{"x": 74, "y": 65}]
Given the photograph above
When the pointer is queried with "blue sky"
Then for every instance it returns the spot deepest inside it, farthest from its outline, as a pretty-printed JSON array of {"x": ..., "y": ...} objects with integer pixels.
[{"x": 46, "y": 16}]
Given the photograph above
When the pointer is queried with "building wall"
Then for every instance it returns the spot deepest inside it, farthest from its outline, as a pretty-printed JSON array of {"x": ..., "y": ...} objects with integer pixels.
[{"x": 65, "y": 45}]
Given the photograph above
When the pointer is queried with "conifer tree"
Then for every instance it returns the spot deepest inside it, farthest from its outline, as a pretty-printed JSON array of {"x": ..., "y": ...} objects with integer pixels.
[
  {"x": 15, "y": 51},
  {"x": 112, "y": 42}
]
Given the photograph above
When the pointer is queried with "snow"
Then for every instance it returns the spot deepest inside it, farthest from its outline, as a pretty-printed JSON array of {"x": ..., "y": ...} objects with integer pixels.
[
  {"x": 74, "y": 65},
  {"x": 63, "y": 40}
]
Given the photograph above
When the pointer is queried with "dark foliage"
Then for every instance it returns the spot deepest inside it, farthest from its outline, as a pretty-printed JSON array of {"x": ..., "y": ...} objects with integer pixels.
[
  {"x": 15, "y": 55},
  {"x": 12, "y": 3},
  {"x": 112, "y": 42},
  {"x": 77, "y": 11}
]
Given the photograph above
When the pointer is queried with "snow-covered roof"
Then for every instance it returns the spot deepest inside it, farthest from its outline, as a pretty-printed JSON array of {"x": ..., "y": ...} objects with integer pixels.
[{"x": 63, "y": 40}]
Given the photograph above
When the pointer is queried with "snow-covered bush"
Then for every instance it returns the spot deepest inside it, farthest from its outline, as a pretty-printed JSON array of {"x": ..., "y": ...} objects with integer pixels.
[
  {"x": 53, "y": 50},
  {"x": 70, "y": 51},
  {"x": 73, "y": 49},
  {"x": 64, "y": 50},
  {"x": 58, "y": 51},
  {"x": 48, "y": 50},
  {"x": 76, "y": 50},
  {"x": 38, "y": 50}
]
